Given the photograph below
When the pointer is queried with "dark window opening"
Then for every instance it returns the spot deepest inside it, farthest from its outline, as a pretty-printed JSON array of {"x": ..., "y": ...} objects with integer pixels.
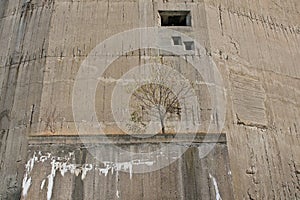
[
  {"x": 189, "y": 46},
  {"x": 175, "y": 18},
  {"x": 177, "y": 40}
]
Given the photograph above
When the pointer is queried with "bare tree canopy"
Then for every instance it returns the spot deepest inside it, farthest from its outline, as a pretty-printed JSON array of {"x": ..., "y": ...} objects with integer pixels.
[{"x": 155, "y": 102}]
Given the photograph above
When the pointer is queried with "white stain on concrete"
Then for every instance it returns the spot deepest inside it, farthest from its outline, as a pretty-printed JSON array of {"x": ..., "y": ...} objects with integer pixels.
[
  {"x": 41, "y": 158},
  {"x": 106, "y": 169},
  {"x": 123, "y": 166},
  {"x": 26, "y": 183},
  {"x": 51, "y": 180},
  {"x": 43, "y": 184},
  {"x": 85, "y": 169},
  {"x": 63, "y": 165},
  {"x": 118, "y": 194},
  {"x": 218, "y": 196}
]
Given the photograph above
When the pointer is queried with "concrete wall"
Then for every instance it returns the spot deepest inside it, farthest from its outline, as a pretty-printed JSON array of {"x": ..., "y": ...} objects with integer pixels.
[
  {"x": 24, "y": 31},
  {"x": 255, "y": 45},
  {"x": 60, "y": 169}
]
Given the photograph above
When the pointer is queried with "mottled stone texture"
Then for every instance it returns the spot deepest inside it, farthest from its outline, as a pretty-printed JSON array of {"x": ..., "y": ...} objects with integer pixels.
[{"x": 255, "y": 45}]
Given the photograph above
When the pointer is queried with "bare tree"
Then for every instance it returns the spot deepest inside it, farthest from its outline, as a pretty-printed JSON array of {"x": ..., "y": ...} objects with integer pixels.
[{"x": 157, "y": 100}]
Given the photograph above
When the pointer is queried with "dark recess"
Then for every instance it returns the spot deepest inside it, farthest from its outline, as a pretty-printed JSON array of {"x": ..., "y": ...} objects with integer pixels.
[{"x": 175, "y": 18}]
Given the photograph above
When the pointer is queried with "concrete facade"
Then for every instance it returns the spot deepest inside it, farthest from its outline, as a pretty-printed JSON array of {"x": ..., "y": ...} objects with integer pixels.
[{"x": 255, "y": 45}]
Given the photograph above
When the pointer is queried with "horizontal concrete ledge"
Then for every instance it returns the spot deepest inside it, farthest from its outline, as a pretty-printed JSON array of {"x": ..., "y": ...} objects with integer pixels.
[{"x": 129, "y": 139}]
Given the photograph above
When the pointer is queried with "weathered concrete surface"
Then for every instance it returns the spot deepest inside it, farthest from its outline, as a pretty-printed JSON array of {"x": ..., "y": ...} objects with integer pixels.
[
  {"x": 24, "y": 30},
  {"x": 254, "y": 43},
  {"x": 67, "y": 170}
]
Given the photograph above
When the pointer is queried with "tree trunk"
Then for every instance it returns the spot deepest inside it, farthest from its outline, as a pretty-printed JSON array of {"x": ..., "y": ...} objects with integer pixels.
[
  {"x": 162, "y": 125},
  {"x": 161, "y": 117}
]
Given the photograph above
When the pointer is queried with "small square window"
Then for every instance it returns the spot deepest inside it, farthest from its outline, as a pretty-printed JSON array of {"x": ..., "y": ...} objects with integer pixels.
[
  {"x": 177, "y": 40},
  {"x": 175, "y": 18},
  {"x": 189, "y": 46}
]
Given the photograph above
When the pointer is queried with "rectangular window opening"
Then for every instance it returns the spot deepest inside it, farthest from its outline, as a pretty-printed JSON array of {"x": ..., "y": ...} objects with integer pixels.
[
  {"x": 177, "y": 40},
  {"x": 189, "y": 46},
  {"x": 175, "y": 18}
]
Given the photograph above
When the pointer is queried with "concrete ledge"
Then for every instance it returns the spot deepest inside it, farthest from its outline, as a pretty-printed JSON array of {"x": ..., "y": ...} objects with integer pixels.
[{"x": 129, "y": 139}]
